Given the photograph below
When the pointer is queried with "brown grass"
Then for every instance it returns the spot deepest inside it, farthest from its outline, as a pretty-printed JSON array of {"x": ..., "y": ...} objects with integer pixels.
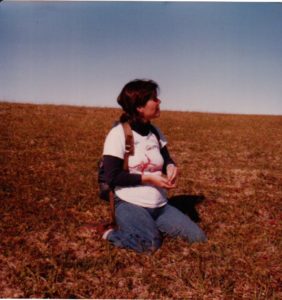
[{"x": 48, "y": 188}]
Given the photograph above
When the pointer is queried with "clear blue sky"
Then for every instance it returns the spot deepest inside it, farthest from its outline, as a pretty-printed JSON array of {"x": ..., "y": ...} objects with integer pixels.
[{"x": 213, "y": 57}]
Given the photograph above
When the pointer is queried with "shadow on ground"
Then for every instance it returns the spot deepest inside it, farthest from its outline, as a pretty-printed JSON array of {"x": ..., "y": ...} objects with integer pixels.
[{"x": 187, "y": 204}]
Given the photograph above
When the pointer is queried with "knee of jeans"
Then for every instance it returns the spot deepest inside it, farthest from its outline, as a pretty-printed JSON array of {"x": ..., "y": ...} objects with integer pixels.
[{"x": 198, "y": 237}]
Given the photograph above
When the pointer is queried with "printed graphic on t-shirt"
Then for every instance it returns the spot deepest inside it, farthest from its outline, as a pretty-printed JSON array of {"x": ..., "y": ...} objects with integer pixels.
[{"x": 147, "y": 157}]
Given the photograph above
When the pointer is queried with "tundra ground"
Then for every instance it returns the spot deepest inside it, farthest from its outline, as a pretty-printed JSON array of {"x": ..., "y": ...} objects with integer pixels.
[{"x": 230, "y": 182}]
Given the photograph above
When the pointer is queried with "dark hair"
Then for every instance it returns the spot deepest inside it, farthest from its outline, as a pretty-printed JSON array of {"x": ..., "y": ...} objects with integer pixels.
[{"x": 136, "y": 94}]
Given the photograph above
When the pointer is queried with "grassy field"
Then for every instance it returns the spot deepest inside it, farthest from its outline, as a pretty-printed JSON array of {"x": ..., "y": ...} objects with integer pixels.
[{"x": 231, "y": 179}]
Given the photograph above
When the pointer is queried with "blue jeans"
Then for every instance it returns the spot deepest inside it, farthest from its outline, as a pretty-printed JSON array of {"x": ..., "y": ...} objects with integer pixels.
[{"x": 141, "y": 228}]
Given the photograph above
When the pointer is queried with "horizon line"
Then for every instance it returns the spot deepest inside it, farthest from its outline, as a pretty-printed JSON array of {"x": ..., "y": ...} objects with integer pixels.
[{"x": 13, "y": 102}]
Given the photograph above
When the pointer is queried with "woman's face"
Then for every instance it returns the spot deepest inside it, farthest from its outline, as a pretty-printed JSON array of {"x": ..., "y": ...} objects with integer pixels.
[{"x": 150, "y": 110}]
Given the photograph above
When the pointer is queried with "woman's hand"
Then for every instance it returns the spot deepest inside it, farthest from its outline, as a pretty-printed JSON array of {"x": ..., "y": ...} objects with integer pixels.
[
  {"x": 172, "y": 172},
  {"x": 158, "y": 181}
]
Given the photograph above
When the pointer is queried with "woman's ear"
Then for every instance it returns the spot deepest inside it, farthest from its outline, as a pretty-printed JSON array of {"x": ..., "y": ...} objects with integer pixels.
[{"x": 140, "y": 110}]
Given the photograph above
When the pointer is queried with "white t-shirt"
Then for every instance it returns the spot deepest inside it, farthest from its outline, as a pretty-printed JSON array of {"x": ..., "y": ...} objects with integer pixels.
[{"x": 147, "y": 159}]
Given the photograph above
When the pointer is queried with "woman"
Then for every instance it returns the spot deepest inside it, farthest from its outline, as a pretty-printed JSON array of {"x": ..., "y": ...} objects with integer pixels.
[{"x": 142, "y": 211}]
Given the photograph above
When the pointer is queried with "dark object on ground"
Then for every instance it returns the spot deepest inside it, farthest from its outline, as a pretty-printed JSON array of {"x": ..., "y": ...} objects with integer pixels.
[{"x": 187, "y": 203}]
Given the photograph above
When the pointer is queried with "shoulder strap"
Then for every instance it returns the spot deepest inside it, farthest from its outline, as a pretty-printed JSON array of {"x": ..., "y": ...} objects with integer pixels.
[
  {"x": 129, "y": 144},
  {"x": 129, "y": 150}
]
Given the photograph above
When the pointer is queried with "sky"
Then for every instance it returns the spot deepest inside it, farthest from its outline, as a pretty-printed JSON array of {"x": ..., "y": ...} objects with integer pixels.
[{"x": 207, "y": 57}]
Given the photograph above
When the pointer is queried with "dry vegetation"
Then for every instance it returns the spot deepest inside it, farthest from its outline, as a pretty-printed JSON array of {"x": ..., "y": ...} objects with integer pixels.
[{"x": 48, "y": 189}]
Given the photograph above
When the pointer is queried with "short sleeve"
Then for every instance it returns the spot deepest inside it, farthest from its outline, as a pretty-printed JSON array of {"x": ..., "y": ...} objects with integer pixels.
[{"x": 115, "y": 142}]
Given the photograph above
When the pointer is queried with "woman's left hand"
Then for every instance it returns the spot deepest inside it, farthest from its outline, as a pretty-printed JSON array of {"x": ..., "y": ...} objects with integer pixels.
[{"x": 172, "y": 172}]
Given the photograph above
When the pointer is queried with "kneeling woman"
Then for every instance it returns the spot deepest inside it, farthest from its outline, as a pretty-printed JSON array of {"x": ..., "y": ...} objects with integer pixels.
[{"x": 142, "y": 211}]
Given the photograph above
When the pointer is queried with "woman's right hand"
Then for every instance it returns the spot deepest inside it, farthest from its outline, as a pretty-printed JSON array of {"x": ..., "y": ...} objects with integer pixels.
[{"x": 158, "y": 181}]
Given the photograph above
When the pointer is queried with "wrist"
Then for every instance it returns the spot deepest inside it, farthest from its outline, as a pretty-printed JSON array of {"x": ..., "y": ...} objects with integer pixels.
[{"x": 146, "y": 179}]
